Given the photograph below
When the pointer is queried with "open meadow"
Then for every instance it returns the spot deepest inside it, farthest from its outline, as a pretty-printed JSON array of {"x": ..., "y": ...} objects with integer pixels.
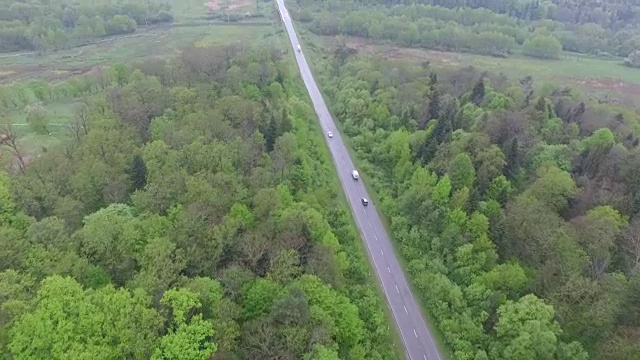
[
  {"x": 196, "y": 24},
  {"x": 602, "y": 80}
]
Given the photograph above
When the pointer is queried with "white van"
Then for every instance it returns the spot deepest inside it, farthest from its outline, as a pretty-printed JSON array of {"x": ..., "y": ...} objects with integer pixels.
[{"x": 355, "y": 175}]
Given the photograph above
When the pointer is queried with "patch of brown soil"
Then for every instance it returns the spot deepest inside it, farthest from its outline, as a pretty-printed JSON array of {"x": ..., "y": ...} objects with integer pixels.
[
  {"x": 227, "y": 5},
  {"x": 600, "y": 89},
  {"x": 609, "y": 84},
  {"x": 14, "y": 73},
  {"x": 394, "y": 52},
  {"x": 15, "y": 162}
]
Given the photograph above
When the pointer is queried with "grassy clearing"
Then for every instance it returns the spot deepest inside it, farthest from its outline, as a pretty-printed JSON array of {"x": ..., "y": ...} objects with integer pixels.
[
  {"x": 187, "y": 10},
  {"x": 599, "y": 79},
  {"x": 33, "y": 145},
  {"x": 157, "y": 43},
  {"x": 160, "y": 42}
]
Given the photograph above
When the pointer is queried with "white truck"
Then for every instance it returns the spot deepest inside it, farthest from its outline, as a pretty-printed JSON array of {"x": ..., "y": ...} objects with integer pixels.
[{"x": 355, "y": 175}]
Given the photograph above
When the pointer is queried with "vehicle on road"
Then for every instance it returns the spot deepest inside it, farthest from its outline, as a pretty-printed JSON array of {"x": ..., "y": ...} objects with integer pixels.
[
  {"x": 355, "y": 175},
  {"x": 299, "y": 48},
  {"x": 329, "y": 134},
  {"x": 365, "y": 201}
]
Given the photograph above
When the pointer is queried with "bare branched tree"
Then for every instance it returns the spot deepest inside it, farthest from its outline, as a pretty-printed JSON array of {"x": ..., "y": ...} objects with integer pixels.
[
  {"x": 79, "y": 126},
  {"x": 632, "y": 246},
  {"x": 9, "y": 138}
]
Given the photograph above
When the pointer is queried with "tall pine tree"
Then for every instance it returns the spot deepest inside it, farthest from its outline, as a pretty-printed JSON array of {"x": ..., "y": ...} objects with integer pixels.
[
  {"x": 477, "y": 94},
  {"x": 138, "y": 173}
]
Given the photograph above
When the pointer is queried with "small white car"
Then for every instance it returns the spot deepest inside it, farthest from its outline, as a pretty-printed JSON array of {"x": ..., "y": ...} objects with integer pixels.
[
  {"x": 299, "y": 48},
  {"x": 329, "y": 134},
  {"x": 355, "y": 175},
  {"x": 365, "y": 201}
]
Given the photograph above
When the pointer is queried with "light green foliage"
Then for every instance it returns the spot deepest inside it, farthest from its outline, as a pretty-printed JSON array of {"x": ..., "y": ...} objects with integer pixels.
[
  {"x": 598, "y": 232},
  {"x": 111, "y": 237},
  {"x": 544, "y": 47},
  {"x": 553, "y": 187},
  {"x": 442, "y": 191},
  {"x": 527, "y": 330},
  {"x": 259, "y": 297},
  {"x": 69, "y": 322},
  {"x": 7, "y": 206},
  {"x": 349, "y": 328},
  {"x": 559, "y": 156},
  {"x": 322, "y": 353},
  {"x": 462, "y": 172},
  {"x": 189, "y": 337},
  {"x": 600, "y": 139},
  {"x": 37, "y": 118},
  {"x": 500, "y": 189},
  {"x": 160, "y": 263}
]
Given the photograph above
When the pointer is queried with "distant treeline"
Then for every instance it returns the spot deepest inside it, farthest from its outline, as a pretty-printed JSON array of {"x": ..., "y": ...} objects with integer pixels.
[
  {"x": 37, "y": 24},
  {"x": 492, "y": 28}
]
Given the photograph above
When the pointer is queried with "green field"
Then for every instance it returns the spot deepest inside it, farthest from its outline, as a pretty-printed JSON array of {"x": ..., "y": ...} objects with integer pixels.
[
  {"x": 600, "y": 79},
  {"x": 166, "y": 41},
  {"x": 159, "y": 42}
]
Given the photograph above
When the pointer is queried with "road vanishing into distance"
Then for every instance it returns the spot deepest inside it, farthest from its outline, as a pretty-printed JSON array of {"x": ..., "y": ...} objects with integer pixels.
[{"x": 418, "y": 341}]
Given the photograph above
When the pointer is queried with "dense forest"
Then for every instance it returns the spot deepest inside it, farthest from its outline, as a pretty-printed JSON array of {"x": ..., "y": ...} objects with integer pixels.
[
  {"x": 498, "y": 28},
  {"x": 517, "y": 212},
  {"x": 27, "y": 25},
  {"x": 192, "y": 215}
]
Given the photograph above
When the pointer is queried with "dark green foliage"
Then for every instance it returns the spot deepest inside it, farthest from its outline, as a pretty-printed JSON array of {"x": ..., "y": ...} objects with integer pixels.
[
  {"x": 138, "y": 173},
  {"x": 477, "y": 94}
]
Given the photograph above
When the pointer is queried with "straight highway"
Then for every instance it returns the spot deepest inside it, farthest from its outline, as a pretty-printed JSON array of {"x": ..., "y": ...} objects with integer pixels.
[{"x": 418, "y": 341}]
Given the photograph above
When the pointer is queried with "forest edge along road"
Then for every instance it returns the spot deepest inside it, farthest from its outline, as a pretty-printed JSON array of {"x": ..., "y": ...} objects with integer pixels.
[{"x": 418, "y": 341}]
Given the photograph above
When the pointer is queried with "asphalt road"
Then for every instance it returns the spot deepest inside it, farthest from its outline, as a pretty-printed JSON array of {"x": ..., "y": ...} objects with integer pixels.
[{"x": 418, "y": 341}]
